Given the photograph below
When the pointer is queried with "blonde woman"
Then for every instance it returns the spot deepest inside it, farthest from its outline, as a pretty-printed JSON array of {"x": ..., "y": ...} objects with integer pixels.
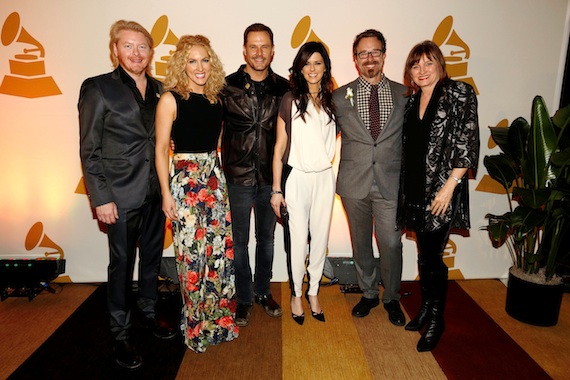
[{"x": 194, "y": 195}]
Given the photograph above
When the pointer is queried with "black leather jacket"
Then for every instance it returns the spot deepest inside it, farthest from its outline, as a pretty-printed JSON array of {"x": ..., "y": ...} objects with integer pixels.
[{"x": 249, "y": 127}]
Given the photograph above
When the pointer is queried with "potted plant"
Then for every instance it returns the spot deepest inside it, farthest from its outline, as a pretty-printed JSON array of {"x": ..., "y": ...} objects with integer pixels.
[{"x": 533, "y": 168}]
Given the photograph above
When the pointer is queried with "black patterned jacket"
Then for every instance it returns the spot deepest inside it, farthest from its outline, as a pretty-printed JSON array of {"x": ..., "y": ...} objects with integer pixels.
[{"x": 453, "y": 143}]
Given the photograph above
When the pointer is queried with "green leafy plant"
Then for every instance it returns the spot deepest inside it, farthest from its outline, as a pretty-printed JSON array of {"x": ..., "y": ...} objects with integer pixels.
[{"x": 533, "y": 168}]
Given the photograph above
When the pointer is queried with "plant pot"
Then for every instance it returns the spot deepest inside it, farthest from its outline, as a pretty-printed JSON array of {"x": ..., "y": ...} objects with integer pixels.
[{"x": 535, "y": 304}]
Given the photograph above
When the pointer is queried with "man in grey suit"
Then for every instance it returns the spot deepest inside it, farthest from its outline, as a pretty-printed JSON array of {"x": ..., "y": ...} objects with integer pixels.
[
  {"x": 370, "y": 115},
  {"x": 117, "y": 140}
]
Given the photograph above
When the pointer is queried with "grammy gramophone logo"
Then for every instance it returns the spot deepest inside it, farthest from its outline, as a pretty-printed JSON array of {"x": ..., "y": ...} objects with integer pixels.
[
  {"x": 163, "y": 37},
  {"x": 456, "y": 52},
  {"x": 27, "y": 76},
  {"x": 37, "y": 239},
  {"x": 304, "y": 33},
  {"x": 488, "y": 184}
]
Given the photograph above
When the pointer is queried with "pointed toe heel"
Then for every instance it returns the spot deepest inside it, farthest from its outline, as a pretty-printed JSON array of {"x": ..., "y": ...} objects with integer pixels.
[
  {"x": 318, "y": 316},
  {"x": 300, "y": 319}
]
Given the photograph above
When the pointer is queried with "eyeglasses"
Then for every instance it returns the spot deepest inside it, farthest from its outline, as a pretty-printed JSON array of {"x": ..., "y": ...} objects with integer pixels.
[{"x": 375, "y": 53}]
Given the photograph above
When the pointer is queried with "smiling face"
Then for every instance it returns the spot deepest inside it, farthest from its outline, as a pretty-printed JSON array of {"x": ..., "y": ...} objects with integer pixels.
[
  {"x": 370, "y": 67},
  {"x": 313, "y": 71},
  {"x": 258, "y": 53},
  {"x": 198, "y": 68},
  {"x": 133, "y": 52},
  {"x": 426, "y": 73}
]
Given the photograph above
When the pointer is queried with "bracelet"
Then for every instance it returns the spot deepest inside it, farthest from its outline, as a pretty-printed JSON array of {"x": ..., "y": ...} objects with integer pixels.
[
  {"x": 273, "y": 192},
  {"x": 458, "y": 180}
]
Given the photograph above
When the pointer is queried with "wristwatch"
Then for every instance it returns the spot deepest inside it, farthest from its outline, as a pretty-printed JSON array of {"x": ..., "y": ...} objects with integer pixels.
[{"x": 458, "y": 180}]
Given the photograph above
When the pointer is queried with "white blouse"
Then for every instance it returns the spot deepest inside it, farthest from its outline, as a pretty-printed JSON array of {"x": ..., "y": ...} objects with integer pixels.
[{"x": 312, "y": 140}]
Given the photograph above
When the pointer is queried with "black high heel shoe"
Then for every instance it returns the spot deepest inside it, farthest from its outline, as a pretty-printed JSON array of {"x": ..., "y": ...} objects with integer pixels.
[
  {"x": 318, "y": 316},
  {"x": 300, "y": 319}
]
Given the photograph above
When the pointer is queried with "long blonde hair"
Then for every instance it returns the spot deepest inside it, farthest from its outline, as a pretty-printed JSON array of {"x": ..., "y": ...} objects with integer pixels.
[{"x": 176, "y": 77}]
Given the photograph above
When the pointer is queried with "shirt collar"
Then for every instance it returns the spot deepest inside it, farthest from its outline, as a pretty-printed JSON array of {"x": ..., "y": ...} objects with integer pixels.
[
  {"x": 125, "y": 77},
  {"x": 364, "y": 84},
  {"x": 248, "y": 77}
]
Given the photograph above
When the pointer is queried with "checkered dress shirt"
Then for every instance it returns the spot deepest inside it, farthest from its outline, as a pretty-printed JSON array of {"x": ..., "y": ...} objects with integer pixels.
[{"x": 384, "y": 99}]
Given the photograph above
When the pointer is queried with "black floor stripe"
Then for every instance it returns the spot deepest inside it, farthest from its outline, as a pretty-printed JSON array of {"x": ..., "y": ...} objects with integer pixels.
[{"x": 81, "y": 348}]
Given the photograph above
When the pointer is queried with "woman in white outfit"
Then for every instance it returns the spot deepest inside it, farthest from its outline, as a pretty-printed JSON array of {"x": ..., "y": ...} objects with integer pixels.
[{"x": 303, "y": 178}]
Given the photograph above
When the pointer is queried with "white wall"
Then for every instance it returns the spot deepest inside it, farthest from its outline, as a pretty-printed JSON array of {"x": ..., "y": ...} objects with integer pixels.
[{"x": 517, "y": 51}]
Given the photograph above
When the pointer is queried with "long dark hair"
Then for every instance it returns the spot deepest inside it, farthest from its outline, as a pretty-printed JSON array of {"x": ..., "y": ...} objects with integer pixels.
[{"x": 299, "y": 87}]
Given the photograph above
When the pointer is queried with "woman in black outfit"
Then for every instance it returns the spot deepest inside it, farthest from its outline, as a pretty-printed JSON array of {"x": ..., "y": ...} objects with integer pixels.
[{"x": 441, "y": 142}]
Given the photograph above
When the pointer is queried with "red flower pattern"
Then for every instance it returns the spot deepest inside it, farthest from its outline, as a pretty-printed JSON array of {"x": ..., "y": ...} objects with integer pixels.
[
  {"x": 213, "y": 183},
  {"x": 206, "y": 274},
  {"x": 225, "y": 321}
]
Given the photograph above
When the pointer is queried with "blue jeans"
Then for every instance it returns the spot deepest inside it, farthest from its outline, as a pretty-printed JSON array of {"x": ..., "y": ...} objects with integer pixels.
[{"x": 242, "y": 199}]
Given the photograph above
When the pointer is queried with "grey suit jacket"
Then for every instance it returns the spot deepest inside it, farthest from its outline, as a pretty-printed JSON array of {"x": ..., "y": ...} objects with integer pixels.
[
  {"x": 117, "y": 151},
  {"x": 362, "y": 159}
]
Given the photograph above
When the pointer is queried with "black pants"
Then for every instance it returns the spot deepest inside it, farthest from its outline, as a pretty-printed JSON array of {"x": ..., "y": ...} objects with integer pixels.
[
  {"x": 431, "y": 245},
  {"x": 144, "y": 225}
]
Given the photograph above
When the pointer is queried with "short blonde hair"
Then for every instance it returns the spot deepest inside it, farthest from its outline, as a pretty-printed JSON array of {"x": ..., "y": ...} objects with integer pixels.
[
  {"x": 176, "y": 77},
  {"x": 121, "y": 25}
]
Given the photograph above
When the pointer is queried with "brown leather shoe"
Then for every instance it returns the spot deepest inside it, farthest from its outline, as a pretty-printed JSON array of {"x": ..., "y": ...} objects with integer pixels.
[
  {"x": 243, "y": 311},
  {"x": 271, "y": 307}
]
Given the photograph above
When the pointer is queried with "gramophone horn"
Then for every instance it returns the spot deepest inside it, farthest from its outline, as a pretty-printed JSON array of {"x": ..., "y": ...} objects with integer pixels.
[
  {"x": 304, "y": 33},
  {"x": 445, "y": 35},
  {"x": 36, "y": 238},
  {"x": 10, "y": 33}
]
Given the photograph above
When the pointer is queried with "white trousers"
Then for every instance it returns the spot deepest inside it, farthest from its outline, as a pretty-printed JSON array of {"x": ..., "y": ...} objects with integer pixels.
[{"x": 309, "y": 198}]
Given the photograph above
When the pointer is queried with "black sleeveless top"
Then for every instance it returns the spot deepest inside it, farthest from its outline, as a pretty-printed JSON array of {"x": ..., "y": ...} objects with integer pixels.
[
  {"x": 198, "y": 124},
  {"x": 417, "y": 132}
]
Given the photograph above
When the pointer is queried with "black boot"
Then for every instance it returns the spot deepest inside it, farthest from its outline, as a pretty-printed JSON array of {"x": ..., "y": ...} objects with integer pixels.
[
  {"x": 436, "y": 323},
  {"x": 419, "y": 321}
]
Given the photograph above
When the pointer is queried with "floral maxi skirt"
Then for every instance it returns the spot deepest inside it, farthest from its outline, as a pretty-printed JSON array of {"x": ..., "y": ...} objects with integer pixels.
[{"x": 203, "y": 247}]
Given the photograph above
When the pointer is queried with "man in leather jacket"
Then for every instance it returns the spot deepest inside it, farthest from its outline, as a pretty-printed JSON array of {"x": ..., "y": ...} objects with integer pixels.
[{"x": 251, "y": 99}]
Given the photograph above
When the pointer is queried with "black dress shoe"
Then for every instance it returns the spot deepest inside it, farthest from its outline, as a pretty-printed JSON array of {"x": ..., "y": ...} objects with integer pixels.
[
  {"x": 159, "y": 329},
  {"x": 243, "y": 312},
  {"x": 126, "y": 356},
  {"x": 271, "y": 307},
  {"x": 395, "y": 314},
  {"x": 362, "y": 308}
]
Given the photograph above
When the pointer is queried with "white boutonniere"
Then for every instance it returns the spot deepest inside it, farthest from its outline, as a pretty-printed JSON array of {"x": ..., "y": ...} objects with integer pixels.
[{"x": 349, "y": 95}]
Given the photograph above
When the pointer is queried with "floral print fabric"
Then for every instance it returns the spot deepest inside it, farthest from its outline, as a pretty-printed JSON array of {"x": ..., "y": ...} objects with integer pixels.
[{"x": 203, "y": 247}]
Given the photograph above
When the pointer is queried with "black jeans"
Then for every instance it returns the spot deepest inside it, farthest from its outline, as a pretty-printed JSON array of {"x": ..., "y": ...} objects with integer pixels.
[{"x": 242, "y": 200}]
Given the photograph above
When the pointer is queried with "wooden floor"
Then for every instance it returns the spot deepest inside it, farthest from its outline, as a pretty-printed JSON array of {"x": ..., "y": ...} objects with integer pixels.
[{"x": 25, "y": 325}]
